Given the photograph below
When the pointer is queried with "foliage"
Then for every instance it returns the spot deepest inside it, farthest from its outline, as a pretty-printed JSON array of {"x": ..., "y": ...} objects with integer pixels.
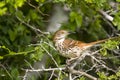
[
  {"x": 111, "y": 77},
  {"x": 23, "y": 40}
]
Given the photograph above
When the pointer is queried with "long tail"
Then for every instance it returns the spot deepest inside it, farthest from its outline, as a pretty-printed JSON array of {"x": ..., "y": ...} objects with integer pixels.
[{"x": 101, "y": 41}]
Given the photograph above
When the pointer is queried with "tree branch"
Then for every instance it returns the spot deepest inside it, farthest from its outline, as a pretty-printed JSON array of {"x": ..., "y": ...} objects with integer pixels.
[{"x": 73, "y": 71}]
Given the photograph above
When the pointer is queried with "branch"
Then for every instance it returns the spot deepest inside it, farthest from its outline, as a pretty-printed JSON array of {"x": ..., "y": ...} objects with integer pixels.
[
  {"x": 31, "y": 27},
  {"x": 73, "y": 71},
  {"x": 108, "y": 17},
  {"x": 37, "y": 8},
  {"x": 80, "y": 58},
  {"x": 50, "y": 55},
  {"x": 38, "y": 70},
  {"x": 101, "y": 63}
]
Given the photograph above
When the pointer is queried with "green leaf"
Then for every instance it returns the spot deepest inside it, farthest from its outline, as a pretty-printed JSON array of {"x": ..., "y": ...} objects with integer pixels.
[
  {"x": 102, "y": 76},
  {"x": 103, "y": 52},
  {"x": 112, "y": 77},
  {"x": 110, "y": 44},
  {"x": 89, "y": 1},
  {"x": 57, "y": 1},
  {"x": 40, "y": 0},
  {"x": 1, "y": 57},
  {"x": 19, "y": 14},
  {"x": 118, "y": 0},
  {"x": 12, "y": 34},
  {"x": 15, "y": 74},
  {"x": 78, "y": 20},
  {"x": 74, "y": 16},
  {"x": 19, "y": 3},
  {"x": 116, "y": 20},
  {"x": 118, "y": 73},
  {"x": 2, "y": 4},
  {"x": 82, "y": 78},
  {"x": 3, "y": 10}
]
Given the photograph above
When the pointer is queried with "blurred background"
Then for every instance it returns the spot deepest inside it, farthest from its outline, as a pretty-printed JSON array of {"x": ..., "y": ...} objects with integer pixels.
[{"x": 27, "y": 28}]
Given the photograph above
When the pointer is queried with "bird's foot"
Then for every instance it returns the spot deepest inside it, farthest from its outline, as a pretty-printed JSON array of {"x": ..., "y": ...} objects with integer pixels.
[{"x": 70, "y": 61}]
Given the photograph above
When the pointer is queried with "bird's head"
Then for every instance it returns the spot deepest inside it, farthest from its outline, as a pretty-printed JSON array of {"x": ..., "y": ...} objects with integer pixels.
[{"x": 61, "y": 34}]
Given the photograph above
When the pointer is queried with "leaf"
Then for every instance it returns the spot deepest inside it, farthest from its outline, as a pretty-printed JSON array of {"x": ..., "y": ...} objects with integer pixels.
[
  {"x": 40, "y": 0},
  {"x": 3, "y": 10},
  {"x": 78, "y": 20},
  {"x": 12, "y": 34},
  {"x": 19, "y": 14},
  {"x": 118, "y": 73},
  {"x": 103, "y": 52},
  {"x": 1, "y": 57},
  {"x": 110, "y": 44},
  {"x": 57, "y": 1},
  {"x": 89, "y": 1},
  {"x": 74, "y": 16},
  {"x": 102, "y": 75},
  {"x": 116, "y": 20},
  {"x": 19, "y": 3},
  {"x": 82, "y": 78},
  {"x": 15, "y": 73},
  {"x": 112, "y": 77},
  {"x": 118, "y": 0},
  {"x": 2, "y": 4}
]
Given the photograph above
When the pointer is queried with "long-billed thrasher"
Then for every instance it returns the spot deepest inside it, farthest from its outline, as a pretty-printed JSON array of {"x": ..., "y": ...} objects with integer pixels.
[{"x": 71, "y": 48}]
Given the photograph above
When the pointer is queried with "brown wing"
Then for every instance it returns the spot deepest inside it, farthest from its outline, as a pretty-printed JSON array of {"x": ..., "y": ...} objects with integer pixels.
[
  {"x": 69, "y": 43},
  {"x": 72, "y": 43}
]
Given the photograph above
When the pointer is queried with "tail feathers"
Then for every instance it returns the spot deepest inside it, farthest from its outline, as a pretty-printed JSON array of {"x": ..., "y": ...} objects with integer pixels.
[{"x": 101, "y": 41}]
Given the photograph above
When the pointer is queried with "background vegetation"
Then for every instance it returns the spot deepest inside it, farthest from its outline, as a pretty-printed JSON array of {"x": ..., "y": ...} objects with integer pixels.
[{"x": 25, "y": 40}]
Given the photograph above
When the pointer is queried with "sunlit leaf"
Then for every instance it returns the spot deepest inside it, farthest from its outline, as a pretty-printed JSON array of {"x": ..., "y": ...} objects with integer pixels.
[
  {"x": 102, "y": 76},
  {"x": 19, "y": 3},
  {"x": 89, "y": 1},
  {"x": 1, "y": 57},
  {"x": 2, "y": 4},
  {"x": 103, "y": 52},
  {"x": 118, "y": 73},
  {"x": 118, "y": 0},
  {"x": 74, "y": 16},
  {"x": 116, "y": 20},
  {"x": 3, "y": 10},
  {"x": 40, "y": 0}
]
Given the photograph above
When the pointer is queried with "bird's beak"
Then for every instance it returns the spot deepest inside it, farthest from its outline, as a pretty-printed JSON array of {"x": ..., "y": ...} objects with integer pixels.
[{"x": 71, "y": 32}]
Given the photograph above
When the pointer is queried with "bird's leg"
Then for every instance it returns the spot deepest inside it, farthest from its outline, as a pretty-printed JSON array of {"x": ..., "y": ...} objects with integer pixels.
[{"x": 71, "y": 60}]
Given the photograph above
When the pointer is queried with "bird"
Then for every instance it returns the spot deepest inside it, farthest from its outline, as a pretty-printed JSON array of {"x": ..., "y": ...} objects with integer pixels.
[{"x": 71, "y": 48}]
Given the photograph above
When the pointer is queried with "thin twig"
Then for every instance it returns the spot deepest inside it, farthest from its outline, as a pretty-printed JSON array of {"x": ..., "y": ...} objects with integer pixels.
[
  {"x": 6, "y": 71},
  {"x": 102, "y": 63},
  {"x": 37, "y": 8},
  {"x": 51, "y": 75},
  {"x": 32, "y": 27},
  {"x": 25, "y": 76},
  {"x": 49, "y": 69},
  {"x": 108, "y": 17},
  {"x": 80, "y": 59},
  {"x": 50, "y": 56},
  {"x": 73, "y": 71}
]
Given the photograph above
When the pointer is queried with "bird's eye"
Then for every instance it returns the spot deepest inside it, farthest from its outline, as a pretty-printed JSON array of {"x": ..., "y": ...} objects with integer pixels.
[{"x": 62, "y": 32}]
